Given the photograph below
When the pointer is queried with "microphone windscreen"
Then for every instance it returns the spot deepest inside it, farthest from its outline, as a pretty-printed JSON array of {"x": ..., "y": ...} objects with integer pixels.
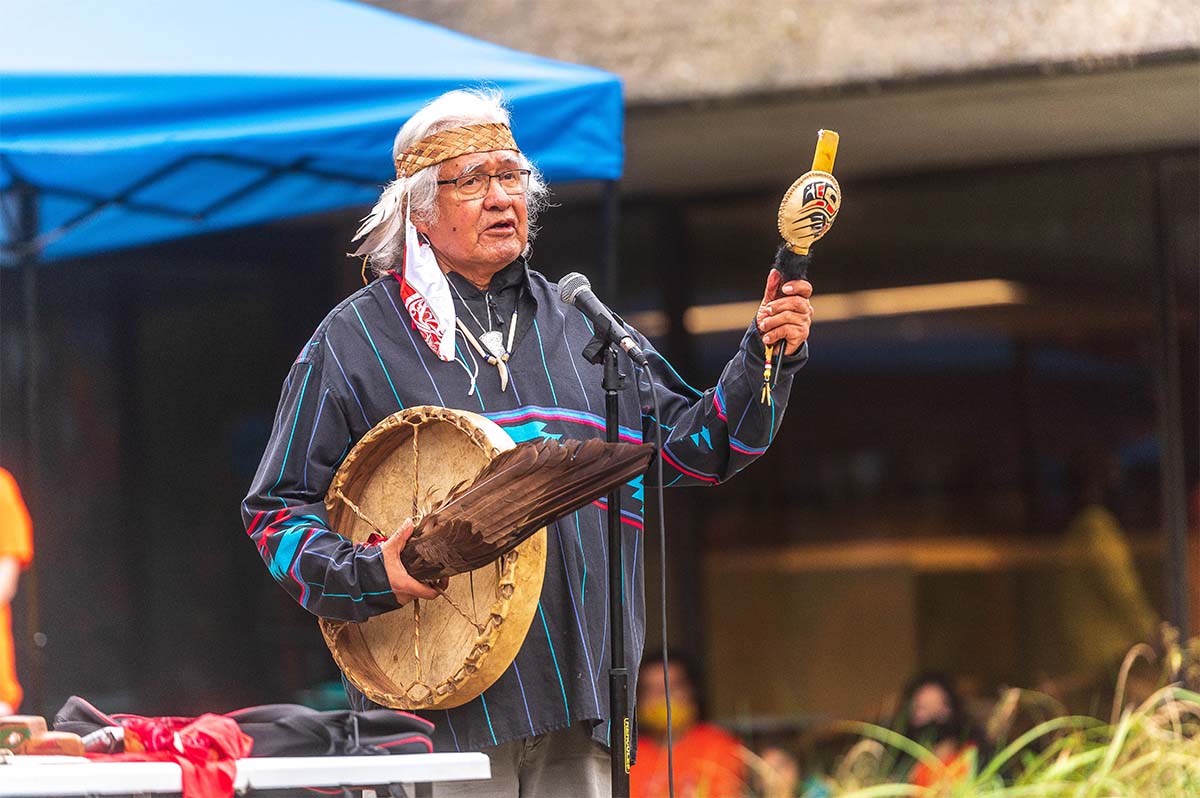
[{"x": 570, "y": 286}]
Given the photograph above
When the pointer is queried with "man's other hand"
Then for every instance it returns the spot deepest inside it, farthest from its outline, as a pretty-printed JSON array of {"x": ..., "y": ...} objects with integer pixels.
[
  {"x": 404, "y": 586},
  {"x": 787, "y": 318}
]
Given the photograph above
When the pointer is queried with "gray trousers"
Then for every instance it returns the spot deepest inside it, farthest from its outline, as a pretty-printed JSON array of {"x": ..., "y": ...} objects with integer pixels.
[{"x": 566, "y": 763}]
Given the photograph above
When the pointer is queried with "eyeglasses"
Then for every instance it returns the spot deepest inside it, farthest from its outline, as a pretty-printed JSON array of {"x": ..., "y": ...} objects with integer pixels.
[{"x": 475, "y": 185}]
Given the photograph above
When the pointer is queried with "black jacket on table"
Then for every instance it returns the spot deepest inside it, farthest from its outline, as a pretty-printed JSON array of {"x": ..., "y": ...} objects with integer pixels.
[{"x": 365, "y": 361}]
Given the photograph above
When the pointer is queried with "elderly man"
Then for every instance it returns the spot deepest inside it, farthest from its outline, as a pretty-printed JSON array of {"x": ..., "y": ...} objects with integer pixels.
[{"x": 457, "y": 318}]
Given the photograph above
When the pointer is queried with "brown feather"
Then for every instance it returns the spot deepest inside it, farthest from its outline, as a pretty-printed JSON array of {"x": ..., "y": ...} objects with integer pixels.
[{"x": 513, "y": 496}]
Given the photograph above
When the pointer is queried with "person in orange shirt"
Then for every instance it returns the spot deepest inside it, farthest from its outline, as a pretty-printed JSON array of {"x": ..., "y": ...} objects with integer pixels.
[
  {"x": 708, "y": 761},
  {"x": 16, "y": 551}
]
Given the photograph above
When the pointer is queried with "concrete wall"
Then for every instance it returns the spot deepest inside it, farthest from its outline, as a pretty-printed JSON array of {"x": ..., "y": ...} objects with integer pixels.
[
  {"x": 727, "y": 96},
  {"x": 725, "y": 48}
]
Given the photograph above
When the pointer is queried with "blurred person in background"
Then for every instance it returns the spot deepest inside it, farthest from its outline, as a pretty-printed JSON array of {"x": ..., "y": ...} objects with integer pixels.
[
  {"x": 16, "y": 551},
  {"x": 932, "y": 715},
  {"x": 777, "y": 775},
  {"x": 1102, "y": 606},
  {"x": 709, "y": 761}
]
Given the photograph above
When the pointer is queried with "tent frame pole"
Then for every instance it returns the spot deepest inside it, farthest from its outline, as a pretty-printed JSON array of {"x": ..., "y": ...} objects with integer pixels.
[
  {"x": 25, "y": 237},
  {"x": 1168, "y": 392}
]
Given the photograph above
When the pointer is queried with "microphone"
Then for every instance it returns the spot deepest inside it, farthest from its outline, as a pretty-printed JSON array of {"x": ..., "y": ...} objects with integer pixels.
[{"x": 574, "y": 289}]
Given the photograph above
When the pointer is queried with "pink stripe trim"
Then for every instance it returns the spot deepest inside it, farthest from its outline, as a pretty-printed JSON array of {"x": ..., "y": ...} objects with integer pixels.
[
  {"x": 686, "y": 471},
  {"x": 416, "y": 738},
  {"x": 624, "y": 519},
  {"x": 296, "y": 564},
  {"x": 720, "y": 410},
  {"x": 417, "y": 718},
  {"x": 548, "y": 417}
]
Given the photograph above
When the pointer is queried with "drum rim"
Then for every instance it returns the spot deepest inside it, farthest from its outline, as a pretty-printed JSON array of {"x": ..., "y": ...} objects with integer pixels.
[{"x": 490, "y": 655}]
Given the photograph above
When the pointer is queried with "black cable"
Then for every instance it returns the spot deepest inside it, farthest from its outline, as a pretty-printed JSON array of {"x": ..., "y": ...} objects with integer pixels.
[{"x": 662, "y": 565}]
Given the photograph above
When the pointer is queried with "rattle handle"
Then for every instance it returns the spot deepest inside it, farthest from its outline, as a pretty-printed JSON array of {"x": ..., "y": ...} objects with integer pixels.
[{"x": 790, "y": 267}]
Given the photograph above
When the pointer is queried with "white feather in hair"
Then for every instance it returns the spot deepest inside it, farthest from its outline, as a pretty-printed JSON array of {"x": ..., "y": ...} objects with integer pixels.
[{"x": 383, "y": 222}]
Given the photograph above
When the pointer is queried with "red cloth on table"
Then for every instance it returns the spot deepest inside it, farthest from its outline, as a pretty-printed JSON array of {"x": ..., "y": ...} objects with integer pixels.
[{"x": 205, "y": 748}]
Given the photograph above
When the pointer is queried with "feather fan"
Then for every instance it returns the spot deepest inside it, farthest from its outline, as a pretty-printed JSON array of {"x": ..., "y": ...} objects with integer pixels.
[{"x": 513, "y": 496}]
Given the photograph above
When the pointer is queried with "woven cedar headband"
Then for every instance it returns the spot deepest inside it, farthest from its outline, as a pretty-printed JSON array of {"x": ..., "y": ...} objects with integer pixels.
[{"x": 456, "y": 141}]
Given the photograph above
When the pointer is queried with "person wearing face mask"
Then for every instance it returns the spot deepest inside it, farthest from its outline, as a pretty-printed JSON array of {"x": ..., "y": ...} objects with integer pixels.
[
  {"x": 932, "y": 715},
  {"x": 708, "y": 760}
]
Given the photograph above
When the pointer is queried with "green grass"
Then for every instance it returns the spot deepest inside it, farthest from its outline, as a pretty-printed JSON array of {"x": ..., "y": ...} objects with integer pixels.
[
  {"x": 1148, "y": 750},
  {"x": 1152, "y": 751}
]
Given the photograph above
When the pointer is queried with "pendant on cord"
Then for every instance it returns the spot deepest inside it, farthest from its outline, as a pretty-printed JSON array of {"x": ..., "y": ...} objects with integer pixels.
[
  {"x": 497, "y": 355},
  {"x": 490, "y": 345}
]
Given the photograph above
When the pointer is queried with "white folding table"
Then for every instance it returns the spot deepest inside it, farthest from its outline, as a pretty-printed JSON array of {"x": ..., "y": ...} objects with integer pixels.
[{"x": 76, "y": 777}]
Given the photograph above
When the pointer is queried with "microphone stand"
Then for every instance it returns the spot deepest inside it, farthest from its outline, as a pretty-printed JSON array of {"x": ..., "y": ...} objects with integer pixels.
[{"x": 620, "y": 736}]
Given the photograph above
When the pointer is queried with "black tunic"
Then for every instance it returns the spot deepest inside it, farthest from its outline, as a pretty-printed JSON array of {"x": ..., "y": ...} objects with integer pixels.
[{"x": 365, "y": 361}]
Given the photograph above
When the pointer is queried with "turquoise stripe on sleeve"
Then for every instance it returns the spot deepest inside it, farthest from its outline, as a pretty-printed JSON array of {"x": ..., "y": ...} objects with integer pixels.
[
  {"x": 292, "y": 434},
  {"x": 771, "y": 432},
  {"x": 675, "y": 373},
  {"x": 281, "y": 559},
  {"x": 355, "y": 599}
]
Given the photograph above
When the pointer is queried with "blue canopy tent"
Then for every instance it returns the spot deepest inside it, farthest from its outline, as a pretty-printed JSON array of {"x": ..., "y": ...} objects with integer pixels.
[{"x": 135, "y": 121}]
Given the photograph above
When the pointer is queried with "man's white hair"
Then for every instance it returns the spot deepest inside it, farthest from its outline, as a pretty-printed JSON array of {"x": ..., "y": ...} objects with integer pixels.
[{"x": 453, "y": 109}]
